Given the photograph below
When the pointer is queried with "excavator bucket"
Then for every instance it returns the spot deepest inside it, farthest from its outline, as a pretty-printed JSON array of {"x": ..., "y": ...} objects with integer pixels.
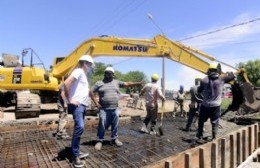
[
  {"x": 246, "y": 98},
  {"x": 251, "y": 102}
]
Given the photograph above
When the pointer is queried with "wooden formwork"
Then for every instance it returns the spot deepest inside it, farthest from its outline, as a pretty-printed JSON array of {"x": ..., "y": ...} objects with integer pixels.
[{"x": 226, "y": 152}]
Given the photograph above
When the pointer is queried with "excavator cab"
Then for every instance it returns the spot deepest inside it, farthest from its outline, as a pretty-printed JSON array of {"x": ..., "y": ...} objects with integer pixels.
[{"x": 22, "y": 85}]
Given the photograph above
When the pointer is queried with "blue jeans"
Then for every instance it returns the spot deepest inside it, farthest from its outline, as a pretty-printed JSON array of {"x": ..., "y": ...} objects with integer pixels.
[
  {"x": 108, "y": 117},
  {"x": 78, "y": 113}
]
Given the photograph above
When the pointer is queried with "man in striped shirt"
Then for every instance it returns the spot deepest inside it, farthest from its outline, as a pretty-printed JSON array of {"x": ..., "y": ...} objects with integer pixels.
[{"x": 108, "y": 91}]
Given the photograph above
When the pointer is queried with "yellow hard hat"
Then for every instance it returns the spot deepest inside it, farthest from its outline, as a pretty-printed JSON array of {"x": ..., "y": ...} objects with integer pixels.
[
  {"x": 155, "y": 77},
  {"x": 213, "y": 65}
]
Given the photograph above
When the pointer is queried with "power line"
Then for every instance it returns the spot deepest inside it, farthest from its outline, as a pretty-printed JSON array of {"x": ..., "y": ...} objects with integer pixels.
[
  {"x": 119, "y": 62},
  {"x": 231, "y": 43},
  {"x": 127, "y": 13},
  {"x": 107, "y": 18},
  {"x": 218, "y": 30}
]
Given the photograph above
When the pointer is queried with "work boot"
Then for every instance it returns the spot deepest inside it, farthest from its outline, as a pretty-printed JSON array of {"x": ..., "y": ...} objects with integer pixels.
[
  {"x": 117, "y": 142},
  {"x": 62, "y": 135},
  {"x": 186, "y": 129},
  {"x": 153, "y": 131},
  {"x": 173, "y": 115},
  {"x": 144, "y": 129},
  {"x": 200, "y": 140},
  {"x": 77, "y": 163},
  {"x": 214, "y": 132},
  {"x": 83, "y": 155},
  {"x": 98, "y": 145}
]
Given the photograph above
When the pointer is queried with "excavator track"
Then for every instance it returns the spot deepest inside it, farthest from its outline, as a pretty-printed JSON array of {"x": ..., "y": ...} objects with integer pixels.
[{"x": 27, "y": 105}]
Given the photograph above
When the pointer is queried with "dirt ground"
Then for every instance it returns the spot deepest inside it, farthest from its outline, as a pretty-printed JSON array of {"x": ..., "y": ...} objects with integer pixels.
[{"x": 51, "y": 111}]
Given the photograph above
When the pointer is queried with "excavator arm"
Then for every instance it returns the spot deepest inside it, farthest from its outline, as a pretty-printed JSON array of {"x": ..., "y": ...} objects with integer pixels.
[
  {"x": 114, "y": 46},
  {"x": 159, "y": 46}
]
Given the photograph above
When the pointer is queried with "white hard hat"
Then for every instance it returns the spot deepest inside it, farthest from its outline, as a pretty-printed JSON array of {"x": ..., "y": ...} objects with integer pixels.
[
  {"x": 110, "y": 69},
  {"x": 87, "y": 58}
]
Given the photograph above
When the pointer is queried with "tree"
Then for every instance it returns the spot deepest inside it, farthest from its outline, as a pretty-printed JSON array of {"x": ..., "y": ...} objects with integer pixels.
[{"x": 253, "y": 70}]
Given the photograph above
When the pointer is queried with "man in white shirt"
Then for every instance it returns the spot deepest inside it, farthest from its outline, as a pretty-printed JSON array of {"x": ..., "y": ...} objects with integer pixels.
[{"x": 77, "y": 91}]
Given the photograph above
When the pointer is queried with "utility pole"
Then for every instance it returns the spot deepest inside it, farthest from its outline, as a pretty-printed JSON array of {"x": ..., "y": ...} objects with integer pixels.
[
  {"x": 163, "y": 76},
  {"x": 163, "y": 58}
]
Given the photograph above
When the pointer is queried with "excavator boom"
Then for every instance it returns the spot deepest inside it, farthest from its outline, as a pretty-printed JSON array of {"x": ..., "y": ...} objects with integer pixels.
[
  {"x": 159, "y": 46},
  {"x": 114, "y": 46}
]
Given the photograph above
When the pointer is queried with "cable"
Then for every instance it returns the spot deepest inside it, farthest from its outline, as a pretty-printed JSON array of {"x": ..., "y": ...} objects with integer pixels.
[
  {"x": 119, "y": 62},
  {"x": 117, "y": 21},
  {"x": 231, "y": 43},
  {"x": 123, "y": 16},
  {"x": 218, "y": 30},
  {"x": 117, "y": 11}
]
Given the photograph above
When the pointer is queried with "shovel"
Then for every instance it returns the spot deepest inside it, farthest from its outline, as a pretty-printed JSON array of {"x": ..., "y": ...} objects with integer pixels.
[{"x": 161, "y": 132}]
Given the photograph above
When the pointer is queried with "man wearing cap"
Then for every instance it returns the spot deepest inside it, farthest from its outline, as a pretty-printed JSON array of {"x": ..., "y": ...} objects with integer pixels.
[
  {"x": 194, "y": 105},
  {"x": 77, "y": 91},
  {"x": 180, "y": 99},
  {"x": 212, "y": 86},
  {"x": 63, "y": 113},
  {"x": 108, "y": 91},
  {"x": 153, "y": 92}
]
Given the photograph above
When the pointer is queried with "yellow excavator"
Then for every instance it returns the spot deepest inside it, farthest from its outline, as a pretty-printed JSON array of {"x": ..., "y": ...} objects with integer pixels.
[{"x": 47, "y": 83}]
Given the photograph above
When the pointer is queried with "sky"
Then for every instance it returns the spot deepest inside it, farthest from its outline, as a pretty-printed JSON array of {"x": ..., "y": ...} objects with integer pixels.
[{"x": 56, "y": 27}]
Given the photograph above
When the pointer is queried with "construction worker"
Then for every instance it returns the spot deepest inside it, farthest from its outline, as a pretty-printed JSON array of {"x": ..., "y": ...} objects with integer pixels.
[
  {"x": 135, "y": 98},
  {"x": 180, "y": 99},
  {"x": 77, "y": 91},
  {"x": 63, "y": 113},
  {"x": 195, "y": 103},
  {"x": 212, "y": 86},
  {"x": 108, "y": 91},
  {"x": 153, "y": 92}
]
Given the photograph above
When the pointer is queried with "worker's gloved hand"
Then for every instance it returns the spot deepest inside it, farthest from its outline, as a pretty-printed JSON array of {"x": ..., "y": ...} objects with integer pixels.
[{"x": 230, "y": 74}]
